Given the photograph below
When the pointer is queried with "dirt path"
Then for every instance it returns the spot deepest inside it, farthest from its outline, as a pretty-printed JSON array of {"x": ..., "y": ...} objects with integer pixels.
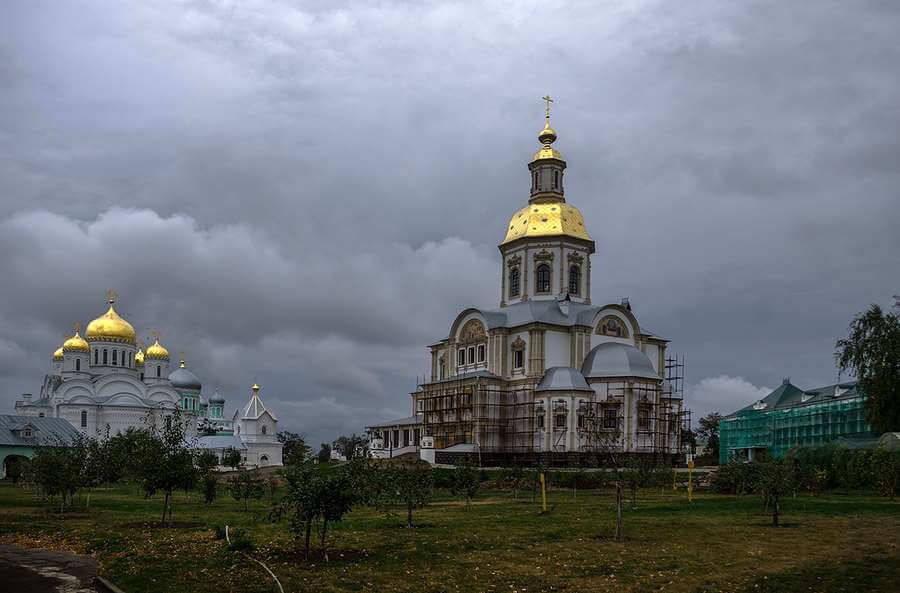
[{"x": 27, "y": 570}]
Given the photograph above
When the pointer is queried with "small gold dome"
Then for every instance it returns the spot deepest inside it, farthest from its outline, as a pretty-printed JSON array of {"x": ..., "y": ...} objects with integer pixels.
[
  {"x": 157, "y": 352},
  {"x": 139, "y": 358},
  {"x": 547, "y": 135},
  {"x": 110, "y": 326},
  {"x": 58, "y": 355},
  {"x": 76, "y": 344},
  {"x": 548, "y": 219}
]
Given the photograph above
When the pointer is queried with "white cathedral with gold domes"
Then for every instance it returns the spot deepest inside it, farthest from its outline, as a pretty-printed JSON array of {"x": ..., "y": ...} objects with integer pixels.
[
  {"x": 549, "y": 376},
  {"x": 105, "y": 383}
]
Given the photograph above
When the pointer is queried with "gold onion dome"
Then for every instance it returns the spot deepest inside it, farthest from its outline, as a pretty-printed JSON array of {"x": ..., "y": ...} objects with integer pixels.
[
  {"x": 110, "y": 326},
  {"x": 58, "y": 355},
  {"x": 156, "y": 352},
  {"x": 547, "y": 219},
  {"x": 139, "y": 358},
  {"x": 76, "y": 344}
]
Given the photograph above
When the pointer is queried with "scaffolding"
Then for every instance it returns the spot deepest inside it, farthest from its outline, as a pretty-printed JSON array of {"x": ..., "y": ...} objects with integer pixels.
[{"x": 782, "y": 429}]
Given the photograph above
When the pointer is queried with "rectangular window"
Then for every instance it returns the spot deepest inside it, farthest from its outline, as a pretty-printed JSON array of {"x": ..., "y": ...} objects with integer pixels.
[
  {"x": 96, "y": 356},
  {"x": 643, "y": 418},
  {"x": 580, "y": 421},
  {"x": 540, "y": 419},
  {"x": 115, "y": 357},
  {"x": 560, "y": 421},
  {"x": 417, "y": 437},
  {"x": 610, "y": 419},
  {"x": 396, "y": 438},
  {"x": 420, "y": 405},
  {"x": 105, "y": 353},
  {"x": 518, "y": 359},
  {"x": 471, "y": 354},
  {"x": 460, "y": 357},
  {"x": 481, "y": 353},
  {"x": 406, "y": 437}
]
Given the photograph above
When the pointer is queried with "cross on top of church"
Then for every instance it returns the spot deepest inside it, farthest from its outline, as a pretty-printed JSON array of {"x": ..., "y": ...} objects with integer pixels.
[
  {"x": 76, "y": 327},
  {"x": 111, "y": 296},
  {"x": 547, "y": 99}
]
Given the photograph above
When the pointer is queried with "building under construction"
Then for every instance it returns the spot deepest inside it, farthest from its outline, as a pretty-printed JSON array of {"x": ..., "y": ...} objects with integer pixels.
[{"x": 790, "y": 417}]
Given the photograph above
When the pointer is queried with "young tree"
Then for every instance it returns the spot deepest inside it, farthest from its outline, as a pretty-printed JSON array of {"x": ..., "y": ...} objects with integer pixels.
[
  {"x": 872, "y": 353},
  {"x": 206, "y": 470},
  {"x": 232, "y": 458},
  {"x": 295, "y": 448},
  {"x": 774, "y": 480},
  {"x": 466, "y": 481},
  {"x": 60, "y": 470},
  {"x": 166, "y": 460},
  {"x": 604, "y": 434},
  {"x": 246, "y": 484},
  {"x": 409, "y": 484},
  {"x": 352, "y": 446},
  {"x": 515, "y": 476},
  {"x": 324, "y": 454}
]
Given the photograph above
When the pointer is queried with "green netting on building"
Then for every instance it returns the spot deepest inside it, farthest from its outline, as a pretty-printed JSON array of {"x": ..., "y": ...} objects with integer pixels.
[{"x": 789, "y": 418}]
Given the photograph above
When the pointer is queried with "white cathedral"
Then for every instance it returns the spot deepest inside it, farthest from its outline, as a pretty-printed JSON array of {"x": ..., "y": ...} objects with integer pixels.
[
  {"x": 548, "y": 377},
  {"x": 105, "y": 383}
]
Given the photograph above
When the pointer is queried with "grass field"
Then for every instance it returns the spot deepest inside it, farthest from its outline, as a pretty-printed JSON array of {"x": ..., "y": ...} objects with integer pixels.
[{"x": 832, "y": 543}]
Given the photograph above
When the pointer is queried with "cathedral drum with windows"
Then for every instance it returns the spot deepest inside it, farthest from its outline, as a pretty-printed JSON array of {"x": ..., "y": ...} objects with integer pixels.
[{"x": 548, "y": 376}]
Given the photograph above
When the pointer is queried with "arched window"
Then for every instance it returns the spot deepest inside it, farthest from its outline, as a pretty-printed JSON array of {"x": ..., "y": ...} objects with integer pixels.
[
  {"x": 83, "y": 418},
  {"x": 115, "y": 357},
  {"x": 142, "y": 376},
  {"x": 105, "y": 356},
  {"x": 77, "y": 364},
  {"x": 460, "y": 357},
  {"x": 158, "y": 371},
  {"x": 264, "y": 429},
  {"x": 96, "y": 356},
  {"x": 542, "y": 278},
  {"x": 514, "y": 282},
  {"x": 442, "y": 369},
  {"x": 555, "y": 179},
  {"x": 263, "y": 459},
  {"x": 471, "y": 354},
  {"x": 41, "y": 415},
  {"x": 574, "y": 280}
]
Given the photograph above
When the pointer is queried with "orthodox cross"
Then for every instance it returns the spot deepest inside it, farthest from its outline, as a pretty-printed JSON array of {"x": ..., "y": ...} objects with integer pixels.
[
  {"x": 76, "y": 327},
  {"x": 111, "y": 296},
  {"x": 155, "y": 334},
  {"x": 547, "y": 100}
]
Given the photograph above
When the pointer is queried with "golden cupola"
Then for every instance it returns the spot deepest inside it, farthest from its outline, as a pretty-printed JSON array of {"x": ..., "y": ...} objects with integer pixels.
[
  {"x": 156, "y": 351},
  {"x": 76, "y": 344},
  {"x": 58, "y": 355},
  {"x": 110, "y": 326},
  {"x": 139, "y": 358}
]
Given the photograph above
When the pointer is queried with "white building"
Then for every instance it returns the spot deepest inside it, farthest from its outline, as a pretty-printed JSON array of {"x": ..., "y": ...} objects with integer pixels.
[
  {"x": 255, "y": 428},
  {"x": 549, "y": 376}
]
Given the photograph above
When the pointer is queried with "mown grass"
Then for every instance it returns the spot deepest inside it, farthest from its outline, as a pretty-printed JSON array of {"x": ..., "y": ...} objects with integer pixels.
[{"x": 833, "y": 543}]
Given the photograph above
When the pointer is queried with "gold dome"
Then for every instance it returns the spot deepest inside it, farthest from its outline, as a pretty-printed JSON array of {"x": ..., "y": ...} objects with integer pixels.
[
  {"x": 547, "y": 152},
  {"x": 110, "y": 326},
  {"x": 157, "y": 351},
  {"x": 76, "y": 343},
  {"x": 139, "y": 358},
  {"x": 58, "y": 355},
  {"x": 547, "y": 219},
  {"x": 548, "y": 134}
]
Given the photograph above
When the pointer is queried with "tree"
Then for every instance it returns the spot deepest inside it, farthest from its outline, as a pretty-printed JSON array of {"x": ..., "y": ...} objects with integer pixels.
[
  {"x": 709, "y": 431},
  {"x": 604, "y": 435},
  {"x": 207, "y": 428},
  {"x": 324, "y": 454},
  {"x": 232, "y": 458},
  {"x": 166, "y": 461},
  {"x": 466, "y": 481},
  {"x": 352, "y": 446},
  {"x": 206, "y": 469},
  {"x": 60, "y": 470},
  {"x": 872, "y": 353},
  {"x": 515, "y": 476},
  {"x": 410, "y": 484},
  {"x": 295, "y": 448},
  {"x": 774, "y": 480},
  {"x": 245, "y": 485}
]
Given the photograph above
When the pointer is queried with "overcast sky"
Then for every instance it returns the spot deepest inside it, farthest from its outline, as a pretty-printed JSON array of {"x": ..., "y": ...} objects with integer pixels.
[{"x": 306, "y": 194}]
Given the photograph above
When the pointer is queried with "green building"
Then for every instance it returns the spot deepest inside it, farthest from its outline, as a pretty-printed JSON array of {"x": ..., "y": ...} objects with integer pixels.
[
  {"x": 19, "y": 435},
  {"x": 792, "y": 417}
]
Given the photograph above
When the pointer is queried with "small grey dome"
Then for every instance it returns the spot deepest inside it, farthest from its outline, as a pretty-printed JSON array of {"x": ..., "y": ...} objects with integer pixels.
[
  {"x": 562, "y": 379},
  {"x": 182, "y": 378},
  {"x": 612, "y": 359}
]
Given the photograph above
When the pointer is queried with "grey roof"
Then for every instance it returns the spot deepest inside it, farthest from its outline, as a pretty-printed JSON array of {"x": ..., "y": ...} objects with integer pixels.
[
  {"x": 220, "y": 442},
  {"x": 182, "y": 378},
  {"x": 614, "y": 359},
  {"x": 788, "y": 395},
  {"x": 562, "y": 379},
  {"x": 484, "y": 374},
  {"x": 409, "y": 420},
  {"x": 48, "y": 431}
]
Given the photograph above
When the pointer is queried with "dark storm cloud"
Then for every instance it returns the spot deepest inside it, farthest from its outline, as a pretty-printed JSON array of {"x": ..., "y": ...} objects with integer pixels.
[{"x": 309, "y": 194}]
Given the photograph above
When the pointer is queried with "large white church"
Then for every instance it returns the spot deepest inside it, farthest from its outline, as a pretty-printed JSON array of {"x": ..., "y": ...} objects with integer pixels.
[
  {"x": 548, "y": 376},
  {"x": 105, "y": 383}
]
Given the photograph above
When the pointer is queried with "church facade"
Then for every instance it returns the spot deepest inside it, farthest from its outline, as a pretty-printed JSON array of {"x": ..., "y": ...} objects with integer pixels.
[
  {"x": 106, "y": 383},
  {"x": 548, "y": 376}
]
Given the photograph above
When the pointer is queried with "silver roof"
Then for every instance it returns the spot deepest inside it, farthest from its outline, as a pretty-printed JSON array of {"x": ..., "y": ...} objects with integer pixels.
[
  {"x": 47, "y": 431},
  {"x": 562, "y": 379},
  {"x": 614, "y": 359},
  {"x": 182, "y": 378},
  {"x": 220, "y": 442},
  {"x": 409, "y": 420}
]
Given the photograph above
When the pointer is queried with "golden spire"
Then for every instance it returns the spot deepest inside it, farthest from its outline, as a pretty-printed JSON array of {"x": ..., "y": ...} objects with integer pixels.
[
  {"x": 255, "y": 388},
  {"x": 181, "y": 360},
  {"x": 548, "y": 135},
  {"x": 111, "y": 296}
]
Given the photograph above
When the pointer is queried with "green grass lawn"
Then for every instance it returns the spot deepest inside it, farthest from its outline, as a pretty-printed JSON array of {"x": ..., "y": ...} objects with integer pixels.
[{"x": 833, "y": 543}]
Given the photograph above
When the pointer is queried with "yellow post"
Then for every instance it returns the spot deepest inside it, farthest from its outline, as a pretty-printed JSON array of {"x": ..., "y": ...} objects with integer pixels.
[
  {"x": 691, "y": 480},
  {"x": 543, "y": 493}
]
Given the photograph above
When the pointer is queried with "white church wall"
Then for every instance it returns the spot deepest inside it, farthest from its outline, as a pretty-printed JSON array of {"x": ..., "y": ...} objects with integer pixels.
[{"x": 556, "y": 349}]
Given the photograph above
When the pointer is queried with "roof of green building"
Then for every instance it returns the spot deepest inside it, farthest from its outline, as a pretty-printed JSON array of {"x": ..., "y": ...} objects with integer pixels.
[{"x": 788, "y": 395}]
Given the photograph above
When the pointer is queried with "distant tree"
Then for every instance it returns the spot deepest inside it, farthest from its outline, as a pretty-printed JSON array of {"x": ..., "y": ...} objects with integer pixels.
[
  {"x": 324, "y": 454},
  {"x": 466, "y": 481},
  {"x": 352, "y": 446},
  {"x": 207, "y": 428},
  {"x": 232, "y": 458},
  {"x": 775, "y": 479},
  {"x": 166, "y": 460},
  {"x": 206, "y": 470},
  {"x": 515, "y": 477},
  {"x": 872, "y": 353},
  {"x": 60, "y": 470},
  {"x": 409, "y": 484},
  {"x": 708, "y": 429},
  {"x": 246, "y": 484},
  {"x": 295, "y": 448},
  {"x": 604, "y": 438}
]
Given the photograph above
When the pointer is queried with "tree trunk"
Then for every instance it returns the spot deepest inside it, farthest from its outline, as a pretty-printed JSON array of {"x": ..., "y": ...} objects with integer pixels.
[
  {"x": 165, "y": 508},
  {"x": 324, "y": 531},
  {"x": 618, "y": 512},
  {"x": 308, "y": 534},
  {"x": 409, "y": 513},
  {"x": 775, "y": 511}
]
